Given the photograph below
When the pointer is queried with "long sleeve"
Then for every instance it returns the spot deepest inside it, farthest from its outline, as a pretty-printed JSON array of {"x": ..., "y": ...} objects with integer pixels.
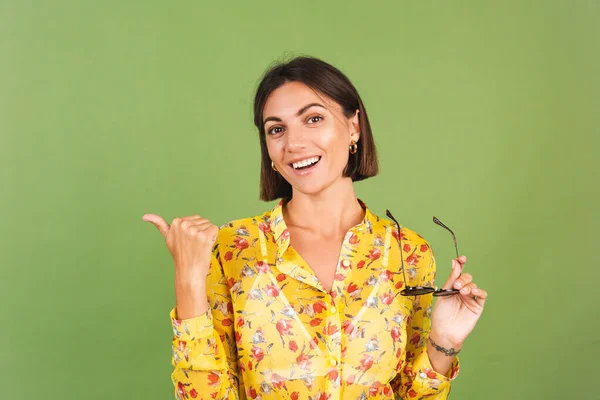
[
  {"x": 204, "y": 347},
  {"x": 418, "y": 379}
]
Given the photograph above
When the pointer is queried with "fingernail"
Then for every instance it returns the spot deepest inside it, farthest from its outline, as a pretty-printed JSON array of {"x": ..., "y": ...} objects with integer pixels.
[
  {"x": 475, "y": 291},
  {"x": 465, "y": 290},
  {"x": 458, "y": 285}
]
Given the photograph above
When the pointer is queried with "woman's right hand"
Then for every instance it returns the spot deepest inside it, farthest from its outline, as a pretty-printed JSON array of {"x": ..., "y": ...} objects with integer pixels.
[{"x": 190, "y": 241}]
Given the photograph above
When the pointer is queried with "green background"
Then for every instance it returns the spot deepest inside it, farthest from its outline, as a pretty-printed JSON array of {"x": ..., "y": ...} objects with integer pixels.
[{"x": 485, "y": 114}]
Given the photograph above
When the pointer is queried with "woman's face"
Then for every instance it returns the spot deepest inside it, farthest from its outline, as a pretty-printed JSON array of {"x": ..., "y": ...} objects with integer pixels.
[{"x": 307, "y": 137}]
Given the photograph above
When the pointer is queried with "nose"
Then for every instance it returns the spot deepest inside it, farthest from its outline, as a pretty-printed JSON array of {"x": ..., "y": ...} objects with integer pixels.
[{"x": 296, "y": 139}]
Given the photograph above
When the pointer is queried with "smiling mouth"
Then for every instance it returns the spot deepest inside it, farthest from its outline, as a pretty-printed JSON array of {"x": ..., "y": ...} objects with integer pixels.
[{"x": 305, "y": 164}]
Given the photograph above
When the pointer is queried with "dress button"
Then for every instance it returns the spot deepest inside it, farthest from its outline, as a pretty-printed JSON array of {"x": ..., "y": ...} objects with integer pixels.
[
  {"x": 346, "y": 263},
  {"x": 332, "y": 310},
  {"x": 334, "y": 362}
]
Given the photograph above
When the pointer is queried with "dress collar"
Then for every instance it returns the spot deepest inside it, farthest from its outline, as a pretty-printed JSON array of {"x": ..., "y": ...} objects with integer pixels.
[{"x": 282, "y": 234}]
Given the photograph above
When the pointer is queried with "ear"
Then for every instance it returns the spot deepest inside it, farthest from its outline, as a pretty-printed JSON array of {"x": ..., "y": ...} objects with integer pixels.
[{"x": 355, "y": 127}]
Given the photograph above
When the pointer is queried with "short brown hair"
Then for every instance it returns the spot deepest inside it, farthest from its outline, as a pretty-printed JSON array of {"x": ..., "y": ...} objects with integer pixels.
[{"x": 323, "y": 77}]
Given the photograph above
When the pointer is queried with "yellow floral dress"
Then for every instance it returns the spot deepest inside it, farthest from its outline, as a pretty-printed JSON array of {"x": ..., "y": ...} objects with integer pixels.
[{"x": 274, "y": 332}]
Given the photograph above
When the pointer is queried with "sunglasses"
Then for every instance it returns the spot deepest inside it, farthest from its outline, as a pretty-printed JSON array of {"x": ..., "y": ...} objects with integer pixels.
[{"x": 421, "y": 290}]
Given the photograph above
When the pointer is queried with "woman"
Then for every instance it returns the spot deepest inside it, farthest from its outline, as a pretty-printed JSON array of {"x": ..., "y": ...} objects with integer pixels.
[{"x": 303, "y": 301}]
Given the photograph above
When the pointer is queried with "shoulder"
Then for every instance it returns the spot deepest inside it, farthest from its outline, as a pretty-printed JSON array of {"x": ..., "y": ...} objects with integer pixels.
[
  {"x": 236, "y": 237},
  {"x": 244, "y": 227}
]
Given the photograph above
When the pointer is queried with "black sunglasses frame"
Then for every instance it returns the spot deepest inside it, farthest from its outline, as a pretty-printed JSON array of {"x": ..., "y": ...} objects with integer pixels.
[{"x": 422, "y": 290}]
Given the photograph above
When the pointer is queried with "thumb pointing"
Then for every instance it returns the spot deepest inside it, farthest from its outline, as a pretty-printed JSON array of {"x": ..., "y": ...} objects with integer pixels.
[{"x": 162, "y": 226}]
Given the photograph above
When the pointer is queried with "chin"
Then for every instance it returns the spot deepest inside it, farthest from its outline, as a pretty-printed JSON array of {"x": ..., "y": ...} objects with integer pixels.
[
  {"x": 310, "y": 188},
  {"x": 307, "y": 192}
]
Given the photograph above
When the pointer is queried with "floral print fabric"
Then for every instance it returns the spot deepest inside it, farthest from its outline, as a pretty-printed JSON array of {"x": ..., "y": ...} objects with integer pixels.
[{"x": 273, "y": 332}]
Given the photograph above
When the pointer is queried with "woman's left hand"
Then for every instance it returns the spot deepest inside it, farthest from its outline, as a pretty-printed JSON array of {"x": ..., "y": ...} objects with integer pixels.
[{"x": 455, "y": 316}]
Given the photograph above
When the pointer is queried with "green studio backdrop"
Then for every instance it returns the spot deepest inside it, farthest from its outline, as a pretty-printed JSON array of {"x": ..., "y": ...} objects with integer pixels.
[{"x": 485, "y": 115}]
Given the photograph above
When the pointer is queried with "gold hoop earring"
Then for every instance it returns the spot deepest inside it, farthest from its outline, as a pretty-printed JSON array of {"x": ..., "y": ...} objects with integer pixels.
[
  {"x": 273, "y": 166},
  {"x": 353, "y": 147}
]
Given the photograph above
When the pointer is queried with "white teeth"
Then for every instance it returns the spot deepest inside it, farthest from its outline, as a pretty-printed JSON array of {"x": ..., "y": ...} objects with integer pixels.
[{"x": 306, "y": 162}]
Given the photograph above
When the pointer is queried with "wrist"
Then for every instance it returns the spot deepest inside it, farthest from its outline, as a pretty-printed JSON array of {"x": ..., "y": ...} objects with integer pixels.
[
  {"x": 444, "y": 340},
  {"x": 446, "y": 349},
  {"x": 441, "y": 352},
  {"x": 191, "y": 299},
  {"x": 190, "y": 280}
]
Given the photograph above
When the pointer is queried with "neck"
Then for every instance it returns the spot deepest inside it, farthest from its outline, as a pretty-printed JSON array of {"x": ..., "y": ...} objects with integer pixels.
[{"x": 328, "y": 214}]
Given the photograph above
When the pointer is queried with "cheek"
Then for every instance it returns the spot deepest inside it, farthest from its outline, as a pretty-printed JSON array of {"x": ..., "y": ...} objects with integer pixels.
[
  {"x": 335, "y": 143},
  {"x": 274, "y": 148}
]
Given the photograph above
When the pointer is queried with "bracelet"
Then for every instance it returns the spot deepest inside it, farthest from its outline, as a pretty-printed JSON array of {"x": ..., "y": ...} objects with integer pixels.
[{"x": 451, "y": 352}]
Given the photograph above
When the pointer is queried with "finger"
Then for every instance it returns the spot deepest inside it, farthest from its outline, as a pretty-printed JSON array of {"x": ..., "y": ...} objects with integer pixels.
[
  {"x": 468, "y": 289},
  {"x": 454, "y": 275},
  {"x": 203, "y": 226},
  {"x": 463, "y": 281},
  {"x": 209, "y": 229},
  {"x": 458, "y": 263},
  {"x": 462, "y": 260},
  {"x": 193, "y": 220},
  {"x": 479, "y": 295},
  {"x": 201, "y": 222},
  {"x": 198, "y": 223},
  {"x": 161, "y": 224},
  {"x": 190, "y": 217}
]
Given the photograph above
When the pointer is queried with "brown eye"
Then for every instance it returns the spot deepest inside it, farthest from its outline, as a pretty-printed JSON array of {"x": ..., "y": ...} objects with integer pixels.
[
  {"x": 273, "y": 130},
  {"x": 318, "y": 117}
]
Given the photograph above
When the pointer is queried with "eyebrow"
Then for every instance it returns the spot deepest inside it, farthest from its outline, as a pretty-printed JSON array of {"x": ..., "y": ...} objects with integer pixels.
[{"x": 299, "y": 113}]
